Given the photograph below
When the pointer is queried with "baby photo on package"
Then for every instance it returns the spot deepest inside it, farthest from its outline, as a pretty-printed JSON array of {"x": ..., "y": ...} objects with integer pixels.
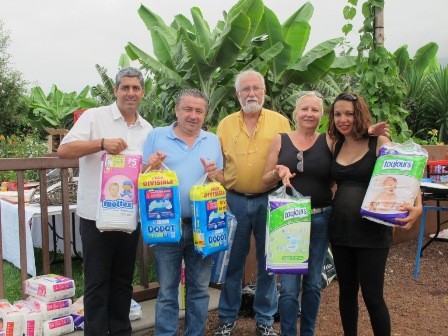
[
  {"x": 118, "y": 199},
  {"x": 395, "y": 182}
]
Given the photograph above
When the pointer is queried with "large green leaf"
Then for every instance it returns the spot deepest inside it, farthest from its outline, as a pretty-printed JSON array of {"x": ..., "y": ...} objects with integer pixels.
[
  {"x": 181, "y": 20},
  {"x": 152, "y": 64},
  {"x": 303, "y": 14},
  {"x": 228, "y": 46},
  {"x": 217, "y": 95},
  {"x": 296, "y": 35},
  {"x": 343, "y": 64},
  {"x": 202, "y": 29},
  {"x": 264, "y": 58},
  {"x": 161, "y": 48},
  {"x": 196, "y": 54},
  {"x": 271, "y": 26},
  {"x": 309, "y": 69},
  {"x": 124, "y": 61},
  {"x": 254, "y": 10},
  {"x": 153, "y": 21},
  {"x": 424, "y": 55},
  {"x": 402, "y": 58}
]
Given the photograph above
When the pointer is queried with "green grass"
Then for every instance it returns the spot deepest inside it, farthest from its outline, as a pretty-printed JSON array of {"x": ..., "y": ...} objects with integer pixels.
[{"x": 12, "y": 275}]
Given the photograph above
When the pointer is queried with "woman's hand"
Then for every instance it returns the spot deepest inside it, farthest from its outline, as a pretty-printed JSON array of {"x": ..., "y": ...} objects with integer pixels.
[
  {"x": 381, "y": 128},
  {"x": 284, "y": 174},
  {"x": 414, "y": 213}
]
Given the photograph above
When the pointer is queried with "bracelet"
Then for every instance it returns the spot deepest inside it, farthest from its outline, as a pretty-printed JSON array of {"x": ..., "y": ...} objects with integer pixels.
[
  {"x": 102, "y": 143},
  {"x": 276, "y": 175}
]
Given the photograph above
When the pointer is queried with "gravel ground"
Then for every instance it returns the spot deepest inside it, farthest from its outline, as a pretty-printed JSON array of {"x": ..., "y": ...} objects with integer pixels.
[{"x": 417, "y": 307}]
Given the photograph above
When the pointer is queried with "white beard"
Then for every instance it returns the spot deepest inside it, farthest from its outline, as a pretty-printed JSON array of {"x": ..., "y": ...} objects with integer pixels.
[{"x": 252, "y": 107}]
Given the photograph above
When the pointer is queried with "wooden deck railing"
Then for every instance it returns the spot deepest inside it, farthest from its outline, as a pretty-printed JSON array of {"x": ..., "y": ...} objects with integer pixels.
[{"x": 143, "y": 291}]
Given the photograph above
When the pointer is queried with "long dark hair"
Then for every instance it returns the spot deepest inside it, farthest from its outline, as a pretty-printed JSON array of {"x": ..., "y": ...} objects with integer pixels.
[{"x": 362, "y": 116}]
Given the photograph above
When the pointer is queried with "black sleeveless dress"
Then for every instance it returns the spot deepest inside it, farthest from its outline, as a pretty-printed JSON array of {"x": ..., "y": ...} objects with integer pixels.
[
  {"x": 347, "y": 227},
  {"x": 315, "y": 180}
]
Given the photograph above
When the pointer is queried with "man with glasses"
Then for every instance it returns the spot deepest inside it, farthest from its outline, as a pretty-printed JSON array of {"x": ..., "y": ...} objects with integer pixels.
[{"x": 245, "y": 137}]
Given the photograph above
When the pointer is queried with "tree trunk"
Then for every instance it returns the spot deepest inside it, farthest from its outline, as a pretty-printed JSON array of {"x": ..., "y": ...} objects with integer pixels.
[{"x": 378, "y": 26}]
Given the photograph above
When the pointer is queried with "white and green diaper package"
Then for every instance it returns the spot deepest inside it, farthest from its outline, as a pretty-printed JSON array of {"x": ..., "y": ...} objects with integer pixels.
[
  {"x": 288, "y": 232},
  {"x": 395, "y": 182}
]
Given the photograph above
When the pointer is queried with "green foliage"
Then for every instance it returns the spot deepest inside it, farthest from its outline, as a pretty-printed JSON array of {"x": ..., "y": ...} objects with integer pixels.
[
  {"x": 12, "y": 87},
  {"x": 190, "y": 54},
  {"x": 55, "y": 110},
  {"x": 436, "y": 100},
  {"x": 379, "y": 77},
  {"x": 14, "y": 146}
]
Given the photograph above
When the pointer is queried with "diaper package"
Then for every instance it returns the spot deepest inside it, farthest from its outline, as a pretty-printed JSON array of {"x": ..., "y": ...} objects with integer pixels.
[
  {"x": 288, "y": 232},
  {"x": 50, "y": 287},
  {"x": 209, "y": 206},
  {"x": 59, "y": 326},
  {"x": 118, "y": 208},
  {"x": 32, "y": 318},
  {"x": 395, "y": 181},
  {"x": 159, "y": 203},
  {"x": 53, "y": 309},
  {"x": 220, "y": 260},
  {"x": 11, "y": 319},
  {"x": 77, "y": 313}
]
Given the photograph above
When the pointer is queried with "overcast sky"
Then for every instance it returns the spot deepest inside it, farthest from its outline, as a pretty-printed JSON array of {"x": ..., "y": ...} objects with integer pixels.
[{"x": 60, "y": 41}]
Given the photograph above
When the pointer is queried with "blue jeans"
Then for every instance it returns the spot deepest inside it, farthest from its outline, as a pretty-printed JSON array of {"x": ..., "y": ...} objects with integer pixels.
[
  {"x": 168, "y": 262},
  {"x": 311, "y": 284},
  {"x": 250, "y": 214}
]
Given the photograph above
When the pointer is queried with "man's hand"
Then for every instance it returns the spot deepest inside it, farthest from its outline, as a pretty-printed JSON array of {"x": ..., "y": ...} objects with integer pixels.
[
  {"x": 212, "y": 171},
  {"x": 155, "y": 160},
  {"x": 114, "y": 146}
]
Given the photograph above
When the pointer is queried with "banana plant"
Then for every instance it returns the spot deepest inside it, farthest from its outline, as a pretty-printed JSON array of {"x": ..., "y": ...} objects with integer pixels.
[
  {"x": 54, "y": 110},
  {"x": 293, "y": 67}
]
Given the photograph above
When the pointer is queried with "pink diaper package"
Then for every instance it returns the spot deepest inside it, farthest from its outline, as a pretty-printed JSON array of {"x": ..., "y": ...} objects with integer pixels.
[
  {"x": 32, "y": 318},
  {"x": 118, "y": 209},
  {"x": 11, "y": 319},
  {"x": 53, "y": 309},
  {"x": 59, "y": 326},
  {"x": 50, "y": 287}
]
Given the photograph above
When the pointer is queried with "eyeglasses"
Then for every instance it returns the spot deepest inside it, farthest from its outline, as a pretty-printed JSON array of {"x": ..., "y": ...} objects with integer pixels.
[
  {"x": 300, "y": 163},
  {"x": 310, "y": 93},
  {"x": 346, "y": 96},
  {"x": 251, "y": 146},
  {"x": 255, "y": 89}
]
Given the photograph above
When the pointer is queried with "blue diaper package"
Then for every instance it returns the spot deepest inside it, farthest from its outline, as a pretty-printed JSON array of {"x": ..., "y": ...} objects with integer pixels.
[
  {"x": 209, "y": 208},
  {"x": 159, "y": 204}
]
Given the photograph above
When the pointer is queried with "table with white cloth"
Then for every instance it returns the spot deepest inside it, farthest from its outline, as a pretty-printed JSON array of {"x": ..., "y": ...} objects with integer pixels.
[{"x": 10, "y": 232}]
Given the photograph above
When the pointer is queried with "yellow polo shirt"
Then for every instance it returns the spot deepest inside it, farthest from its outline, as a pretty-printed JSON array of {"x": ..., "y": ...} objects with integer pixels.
[{"x": 245, "y": 158}]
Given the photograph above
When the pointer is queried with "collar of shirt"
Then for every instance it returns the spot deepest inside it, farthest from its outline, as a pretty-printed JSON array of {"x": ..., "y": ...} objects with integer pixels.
[{"x": 116, "y": 114}]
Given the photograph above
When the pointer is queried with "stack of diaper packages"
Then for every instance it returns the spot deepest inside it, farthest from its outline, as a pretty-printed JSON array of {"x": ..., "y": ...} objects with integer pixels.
[
  {"x": 395, "y": 182},
  {"x": 11, "y": 320},
  {"x": 209, "y": 208},
  {"x": 288, "y": 230},
  {"x": 50, "y": 296},
  {"x": 77, "y": 312},
  {"x": 118, "y": 210},
  {"x": 220, "y": 260},
  {"x": 159, "y": 202}
]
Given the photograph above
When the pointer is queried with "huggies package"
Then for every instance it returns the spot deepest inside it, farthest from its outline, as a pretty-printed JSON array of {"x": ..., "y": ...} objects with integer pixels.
[
  {"x": 11, "y": 319},
  {"x": 288, "y": 233},
  {"x": 395, "y": 182},
  {"x": 118, "y": 207},
  {"x": 209, "y": 206},
  {"x": 159, "y": 202}
]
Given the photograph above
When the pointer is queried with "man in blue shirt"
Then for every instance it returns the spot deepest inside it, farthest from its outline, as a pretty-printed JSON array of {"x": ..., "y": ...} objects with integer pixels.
[{"x": 191, "y": 152}]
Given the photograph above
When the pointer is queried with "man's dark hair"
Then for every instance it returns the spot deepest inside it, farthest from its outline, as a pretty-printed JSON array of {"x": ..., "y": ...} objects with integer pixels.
[{"x": 129, "y": 72}]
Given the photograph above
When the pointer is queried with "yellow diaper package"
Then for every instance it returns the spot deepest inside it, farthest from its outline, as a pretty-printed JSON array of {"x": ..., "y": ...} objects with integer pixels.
[{"x": 209, "y": 208}]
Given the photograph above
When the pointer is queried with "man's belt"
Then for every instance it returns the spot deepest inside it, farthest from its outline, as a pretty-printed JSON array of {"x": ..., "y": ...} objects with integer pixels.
[{"x": 248, "y": 195}]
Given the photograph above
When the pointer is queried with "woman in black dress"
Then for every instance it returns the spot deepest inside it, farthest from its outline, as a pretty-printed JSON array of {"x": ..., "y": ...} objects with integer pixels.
[{"x": 360, "y": 247}]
